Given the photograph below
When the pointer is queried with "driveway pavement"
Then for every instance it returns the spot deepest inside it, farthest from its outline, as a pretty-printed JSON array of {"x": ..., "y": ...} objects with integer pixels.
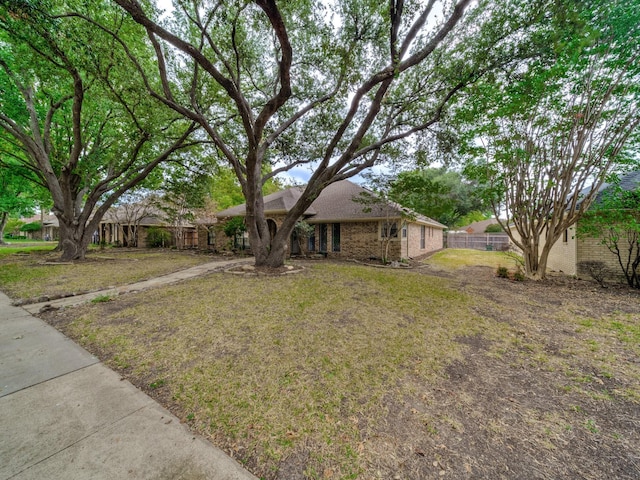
[{"x": 64, "y": 415}]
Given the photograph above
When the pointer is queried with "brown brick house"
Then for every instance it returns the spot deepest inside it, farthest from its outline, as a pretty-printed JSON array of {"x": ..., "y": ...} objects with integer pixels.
[
  {"x": 130, "y": 227},
  {"x": 342, "y": 226}
]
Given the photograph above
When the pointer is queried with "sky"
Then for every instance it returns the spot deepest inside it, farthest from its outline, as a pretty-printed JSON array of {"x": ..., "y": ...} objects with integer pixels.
[{"x": 297, "y": 175}]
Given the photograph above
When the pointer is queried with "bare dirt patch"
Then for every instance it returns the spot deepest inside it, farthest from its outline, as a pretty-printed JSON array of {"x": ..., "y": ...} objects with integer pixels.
[{"x": 353, "y": 372}]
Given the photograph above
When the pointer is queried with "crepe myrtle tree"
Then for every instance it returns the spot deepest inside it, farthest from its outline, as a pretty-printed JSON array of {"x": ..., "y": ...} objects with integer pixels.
[
  {"x": 71, "y": 113},
  {"x": 554, "y": 135},
  {"x": 333, "y": 86}
]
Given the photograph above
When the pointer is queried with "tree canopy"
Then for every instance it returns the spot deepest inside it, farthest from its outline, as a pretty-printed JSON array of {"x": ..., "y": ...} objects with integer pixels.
[
  {"x": 337, "y": 88},
  {"x": 551, "y": 133},
  {"x": 17, "y": 193},
  {"x": 441, "y": 194},
  {"x": 73, "y": 114}
]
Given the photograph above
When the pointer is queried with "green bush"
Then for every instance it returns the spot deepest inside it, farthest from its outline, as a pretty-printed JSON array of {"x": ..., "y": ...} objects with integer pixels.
[
  {"x": 518, "y": 276},
  {"x": 31, "y": 227},
  {"x": 502, "y": 272},
  {"x": 158, "y": 237},
  {"x": 235, "y": 227},
  {"x": 493, "y": 228}
]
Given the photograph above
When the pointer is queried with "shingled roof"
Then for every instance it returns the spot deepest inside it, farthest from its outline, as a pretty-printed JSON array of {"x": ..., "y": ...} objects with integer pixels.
[
  {"x": 279, "y": 202},
  {"x": 336, "y": 203},
  {"x": 628, "y": 182}
]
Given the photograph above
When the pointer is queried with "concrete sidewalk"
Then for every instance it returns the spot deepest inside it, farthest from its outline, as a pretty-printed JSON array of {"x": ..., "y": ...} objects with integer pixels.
[{"x": 64, "y": 415}]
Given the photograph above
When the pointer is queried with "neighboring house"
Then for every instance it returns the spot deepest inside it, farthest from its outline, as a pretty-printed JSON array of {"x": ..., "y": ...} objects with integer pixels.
[
  {"x": 129, "y": 227},
  {"x": 50, "y": 227},
  {"x": 342, "y": 226},
  {"x": 478, "y": 227},
  {"x": 206, "y": 232},
  {"x": 569, "y": 251}
]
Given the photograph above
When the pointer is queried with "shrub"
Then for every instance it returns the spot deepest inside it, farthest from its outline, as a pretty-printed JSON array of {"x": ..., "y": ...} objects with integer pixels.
[
  {"x": 493, "y": 228},
  {"x": 502, "y": 272},
  {"x": 158, "y": 237},
  {"x": 31, "y": 227},
  {"x": 596, "y": 270},
  {"x": 235, "y": 227}
]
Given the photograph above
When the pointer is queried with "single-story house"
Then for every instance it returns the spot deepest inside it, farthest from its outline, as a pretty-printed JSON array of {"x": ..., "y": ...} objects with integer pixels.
[
  {"x": 569, "y": 251},
  {"x": 130, "y": 227},
  {"x": 344, "y": 222},
  {"x": 479, "y": 227},
  {"x": 50, "y": 227}
]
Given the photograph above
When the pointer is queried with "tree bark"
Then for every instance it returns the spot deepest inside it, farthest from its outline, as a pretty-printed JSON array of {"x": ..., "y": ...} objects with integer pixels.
[
  {"x": 75, "y": 239},
  {"x": 4, "y": 217}
]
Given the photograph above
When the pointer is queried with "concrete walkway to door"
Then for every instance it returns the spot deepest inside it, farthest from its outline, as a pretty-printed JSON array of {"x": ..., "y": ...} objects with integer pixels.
[{"x": 167, "y": 279}]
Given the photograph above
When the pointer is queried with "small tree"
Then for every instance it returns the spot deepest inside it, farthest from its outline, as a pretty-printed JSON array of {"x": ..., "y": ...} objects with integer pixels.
[
  {"x": 303, "y": 231},
  {"x": 158, "y": 237},
  {"x": 234, "y": 229},
  {"x": 494, "y": 228},
  {"x": 379, "y": 199},
  {"x": 130, "y": 211},
  {"x": 615, "y": 219},
  {"x": 13, "y": 226}
]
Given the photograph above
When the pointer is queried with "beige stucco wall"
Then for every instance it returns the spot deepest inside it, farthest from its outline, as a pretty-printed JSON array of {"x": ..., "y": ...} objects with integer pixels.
[
  {"x": 565, "y": 257},
  {"x": 562, "y": 257}
]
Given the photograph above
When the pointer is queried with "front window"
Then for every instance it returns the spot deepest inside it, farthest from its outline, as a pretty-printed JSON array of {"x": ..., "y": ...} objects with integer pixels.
[
  {"x": 335, "y": 237},
  {"x": 389, "y": 229},
  {"x": 311, "y": 241},
  {"x": 422, "y": 236},
  {"x": 323, "y": 237}
]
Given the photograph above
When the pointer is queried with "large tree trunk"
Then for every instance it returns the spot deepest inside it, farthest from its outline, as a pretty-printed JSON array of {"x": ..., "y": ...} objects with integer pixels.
[
  {"x": 531, "y": 255},
  {"x": 4, "y": 217},
  {"x": 74, "y": 240},
  {"x": 535, "y": 260}
]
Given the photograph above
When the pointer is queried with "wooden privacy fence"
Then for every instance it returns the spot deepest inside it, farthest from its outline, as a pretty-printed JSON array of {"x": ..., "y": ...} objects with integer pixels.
[{"x": 477, "y": 241}]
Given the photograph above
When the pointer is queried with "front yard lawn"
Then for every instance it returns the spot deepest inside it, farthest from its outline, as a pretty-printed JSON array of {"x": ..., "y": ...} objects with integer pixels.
[
  {"x": 347, "y": 371},
  {"x": 31, "y": 272}
]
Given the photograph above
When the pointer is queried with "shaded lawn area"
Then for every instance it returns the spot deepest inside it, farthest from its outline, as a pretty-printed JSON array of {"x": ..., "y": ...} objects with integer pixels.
[
  {"x": 346, "y": 371},
  {"x": 27, "y": 273}
]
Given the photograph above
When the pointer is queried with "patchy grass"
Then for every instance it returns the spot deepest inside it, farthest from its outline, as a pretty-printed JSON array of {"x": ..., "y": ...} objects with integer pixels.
[
  {"x": 33, "y": 272},
  {"x": 345, "y": 371},
  {"x": 457, "y": 258},
  {"x": 6, "y": 251},
  {"x": 302, "y": 361}
]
